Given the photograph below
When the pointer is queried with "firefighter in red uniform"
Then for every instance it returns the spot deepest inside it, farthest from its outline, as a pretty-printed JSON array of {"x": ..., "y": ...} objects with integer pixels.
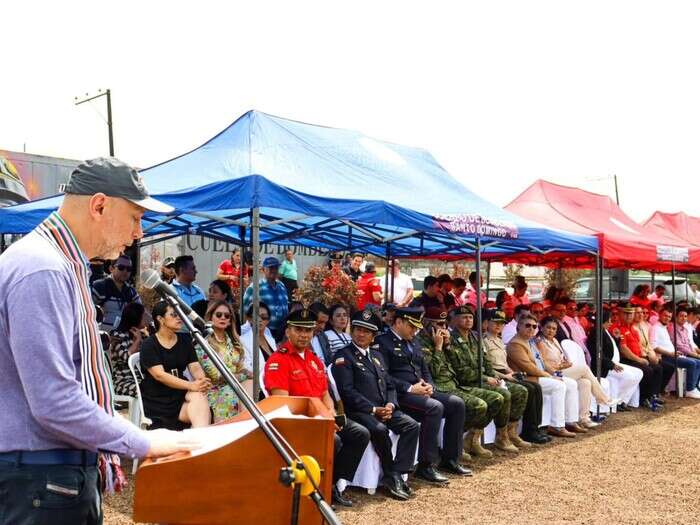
[{"x": 295, "y": 370}]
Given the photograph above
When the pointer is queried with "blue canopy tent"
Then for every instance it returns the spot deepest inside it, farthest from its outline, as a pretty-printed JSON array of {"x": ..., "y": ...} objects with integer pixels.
[
  {"x": 324, "y": 187},
  {"x": 272, "y": 180}
]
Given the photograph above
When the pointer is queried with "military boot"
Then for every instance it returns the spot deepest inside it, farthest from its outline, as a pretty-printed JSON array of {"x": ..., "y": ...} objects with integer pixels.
[
  {"x": 476, "y": 448},
  {"x": 502, "y": 441},
  {"x": 515, "y": 438}
]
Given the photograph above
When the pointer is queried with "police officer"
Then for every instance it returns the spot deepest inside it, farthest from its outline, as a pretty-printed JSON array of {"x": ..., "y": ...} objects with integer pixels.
[
  {"x": 369, "y": 396},
  {"x": 295, "y": 370},
  {"x": 419, "y": 398},
  {"x": 504, "y": 405}
]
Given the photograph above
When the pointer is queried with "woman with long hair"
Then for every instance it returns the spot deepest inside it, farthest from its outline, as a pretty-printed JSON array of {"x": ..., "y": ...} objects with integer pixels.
[
  {"x": 557, "y": 363},
  {"x": 125, "y": 340},
  {"x": 168, "y": 397},
  {"x": 336, "y": 327},
  {"x": 224, "y": 341}
]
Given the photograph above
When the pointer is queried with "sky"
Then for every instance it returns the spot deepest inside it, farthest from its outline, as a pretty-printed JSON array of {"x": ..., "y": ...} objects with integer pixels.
[{"x": 501, "y": 92}]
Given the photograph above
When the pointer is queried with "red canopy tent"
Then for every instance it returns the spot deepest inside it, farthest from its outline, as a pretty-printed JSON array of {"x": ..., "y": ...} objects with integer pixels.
[
  {"x": 623, "y": 242},
  {"x": 679, "y": 224}
]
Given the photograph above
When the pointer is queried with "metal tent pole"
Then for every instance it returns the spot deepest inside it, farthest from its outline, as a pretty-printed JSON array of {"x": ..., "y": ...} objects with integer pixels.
[
  {"x": 241, "y": 271},
  {"x": 675, "y": 328},
  {"x": 255, "y": 242},
  {"x": 599, "y": 319},
  {"x": 479, "y": 334},
  {"x": 388, "y": 271},
  {"x": 488, "y": 279}
]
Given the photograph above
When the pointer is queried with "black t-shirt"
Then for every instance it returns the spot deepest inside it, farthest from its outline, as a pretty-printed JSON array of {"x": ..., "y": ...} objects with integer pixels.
[
  {"x": 354, "y": 274},
  {"x": 158, "y": 398},
  {"x": 427, "y": 302}
]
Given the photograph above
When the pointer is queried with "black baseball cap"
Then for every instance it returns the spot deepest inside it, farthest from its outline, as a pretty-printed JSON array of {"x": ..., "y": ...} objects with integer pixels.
[{"x": 114, "y": 178}]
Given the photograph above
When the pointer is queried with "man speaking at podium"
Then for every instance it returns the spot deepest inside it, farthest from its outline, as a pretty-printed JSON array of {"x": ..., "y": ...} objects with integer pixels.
[
  {"x": 59, "y": 435},
  {"x": 295, "y": 370}
]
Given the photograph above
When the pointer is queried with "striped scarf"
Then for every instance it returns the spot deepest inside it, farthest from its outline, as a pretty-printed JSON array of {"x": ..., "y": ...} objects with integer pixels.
[{"x": 94, "y": 373}]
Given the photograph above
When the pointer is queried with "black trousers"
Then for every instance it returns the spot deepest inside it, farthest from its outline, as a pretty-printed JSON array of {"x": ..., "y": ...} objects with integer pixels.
[
  {"x": 532, "y": 417},
  {"x": 655, "y": 377},
  {"x": 408, "y": 431},
  {"x": 49, "y": 494},
  {"x": 350, "y": 443},
  {"x": 430, "y": 411}
]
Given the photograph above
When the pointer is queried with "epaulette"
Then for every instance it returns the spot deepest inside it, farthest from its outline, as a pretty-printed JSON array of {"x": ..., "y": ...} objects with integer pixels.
[
  {"x": 339, "y": 362},
  {"x": 282, "y": 350}
]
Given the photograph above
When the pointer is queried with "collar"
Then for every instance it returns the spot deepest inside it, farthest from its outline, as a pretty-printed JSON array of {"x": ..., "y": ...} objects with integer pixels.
[
  {"x": 397, "y": 336},
  {"x": 291, "y": 349},
  {"x": 365, "y": 351}
]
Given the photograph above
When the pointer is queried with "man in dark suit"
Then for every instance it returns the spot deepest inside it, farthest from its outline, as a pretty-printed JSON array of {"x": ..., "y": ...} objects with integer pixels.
[
  {"x": 559, "y": 312},
  {"x": 369, "y": 396},
  {"x": 419, "y": 398}
]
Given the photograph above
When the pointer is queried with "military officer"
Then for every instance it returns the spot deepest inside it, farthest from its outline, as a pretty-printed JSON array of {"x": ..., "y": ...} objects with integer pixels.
[
  {"x": 295, "y": 370},
  {"x": 369, "y": 396},
  {"x": 505, "y": 404},
  {"x": 433, "y": 340},
  {"x": 419, "y": 398}
]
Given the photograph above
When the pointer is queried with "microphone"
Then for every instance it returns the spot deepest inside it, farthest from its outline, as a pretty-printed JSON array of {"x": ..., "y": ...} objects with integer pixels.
[{"x": 152, "y": 281}]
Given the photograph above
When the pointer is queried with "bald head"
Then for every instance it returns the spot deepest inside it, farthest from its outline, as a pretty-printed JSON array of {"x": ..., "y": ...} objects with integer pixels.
[{"x": 103, "y": 226}]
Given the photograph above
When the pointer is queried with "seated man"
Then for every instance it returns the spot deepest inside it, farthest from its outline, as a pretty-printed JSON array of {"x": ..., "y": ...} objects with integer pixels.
[
  {"x": 419, "y": 399},
  {"x": 505, "y": 405},
  {"x": 295, "y": 370},
  {"x": 369, "y": 396},
  {"x": 688, "y": 358},
  {"x": 495, "y": 354}
]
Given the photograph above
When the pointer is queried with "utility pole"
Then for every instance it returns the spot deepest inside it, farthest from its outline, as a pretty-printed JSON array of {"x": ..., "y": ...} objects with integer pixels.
[
  {"x": 107, "y": 94},
  {"x": 617, "y": 193}
]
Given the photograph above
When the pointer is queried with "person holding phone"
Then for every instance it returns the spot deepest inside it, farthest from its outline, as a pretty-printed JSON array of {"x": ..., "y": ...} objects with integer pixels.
[
  {"x": 369, "y": 396},
  {"x": 419, "y": 398},
  {"x": 295, "y": 370}
]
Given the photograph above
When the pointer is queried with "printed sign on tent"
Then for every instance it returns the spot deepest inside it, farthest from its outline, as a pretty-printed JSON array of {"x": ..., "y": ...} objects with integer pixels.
[
  {"x": 472, "y": 224},
  {"x": 672, "y": 254}
]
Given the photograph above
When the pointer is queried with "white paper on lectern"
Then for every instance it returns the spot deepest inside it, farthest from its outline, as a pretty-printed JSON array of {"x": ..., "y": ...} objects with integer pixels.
[{"x": 217, "y": 436}]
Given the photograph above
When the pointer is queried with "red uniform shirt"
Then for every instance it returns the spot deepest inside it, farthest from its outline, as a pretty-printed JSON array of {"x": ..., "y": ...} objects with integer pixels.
[
  {"x": 628, "y": 337},
  {"x": 287, "y": 370},
  {"x": 368, "y": 283}
]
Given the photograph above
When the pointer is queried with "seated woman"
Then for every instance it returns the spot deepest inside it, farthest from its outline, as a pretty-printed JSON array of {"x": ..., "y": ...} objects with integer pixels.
[
  {"x": 336, "y": 328},
  {"x": 557, "y": 363},
  {"x": 222, "y": 399},
  {"x": 168, "y": 398},
  {"x": 125, "y": 340},
  {"x": 266, "y": 342},
  {"x": 624, "y": 379}
]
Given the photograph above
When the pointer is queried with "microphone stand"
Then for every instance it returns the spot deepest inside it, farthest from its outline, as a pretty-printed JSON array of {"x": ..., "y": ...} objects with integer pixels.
[{"x": 295, "y": 469}]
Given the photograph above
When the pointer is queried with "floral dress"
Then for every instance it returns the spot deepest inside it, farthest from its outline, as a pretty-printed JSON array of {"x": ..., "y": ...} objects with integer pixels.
[
  {"x": 119, "y": 353},
  {"x": 222, "y": 399}
]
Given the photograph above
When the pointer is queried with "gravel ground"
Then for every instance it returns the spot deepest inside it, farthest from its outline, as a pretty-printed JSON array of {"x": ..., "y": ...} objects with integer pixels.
[{"x": 638, "y": 467}]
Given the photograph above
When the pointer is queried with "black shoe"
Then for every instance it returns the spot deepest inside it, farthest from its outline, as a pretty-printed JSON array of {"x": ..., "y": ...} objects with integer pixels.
[
  {"x": 623, "y": 407},
  {"x": 404, "y": 485},
  {"x": 453, "y": 467},
  {"x": 428, "y": 473},
  {"x": 651, "y": 404},
  {"x": 599, "y": 419},
  {"x": 394, "y": 486},
  {"x": 339, "y": 499},
  {"x": 537, "y": 439},
  {"x": 659, "y": 400}
]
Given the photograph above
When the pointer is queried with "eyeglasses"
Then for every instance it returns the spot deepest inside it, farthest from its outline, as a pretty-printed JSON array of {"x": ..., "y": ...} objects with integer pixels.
[
  {"x": 124, "y": 267},
  {"x": 264, "y": 317},
  {"x": 225, "y": 315},
  {"x": 172, "y": 315},
  {"x": 530, "y": 325}
]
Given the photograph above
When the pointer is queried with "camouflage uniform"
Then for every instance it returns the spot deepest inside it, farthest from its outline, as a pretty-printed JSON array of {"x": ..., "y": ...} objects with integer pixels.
[
  {"x": 445, "y": 380},
  {"x": 504, "y": 404}
]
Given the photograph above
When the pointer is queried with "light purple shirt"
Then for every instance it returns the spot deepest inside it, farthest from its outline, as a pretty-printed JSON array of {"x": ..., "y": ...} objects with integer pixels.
[{"x": 42, "y": 401}]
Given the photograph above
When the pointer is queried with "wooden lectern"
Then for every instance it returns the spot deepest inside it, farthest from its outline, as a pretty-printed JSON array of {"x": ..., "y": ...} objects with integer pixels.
[{"x": 238, "y": 483}]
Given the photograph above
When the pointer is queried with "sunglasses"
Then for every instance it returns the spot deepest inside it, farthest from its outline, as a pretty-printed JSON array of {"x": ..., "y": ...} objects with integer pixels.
[
  {"x": 225, "y": 315},
  {"x": 123, "y": 267},
  {"x": 530, "y": 325},
  {"x": 264, "y": 317}
]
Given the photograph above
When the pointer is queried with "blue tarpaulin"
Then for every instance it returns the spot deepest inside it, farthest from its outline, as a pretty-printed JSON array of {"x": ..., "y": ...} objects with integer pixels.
[{"x": 324, "y": 187}]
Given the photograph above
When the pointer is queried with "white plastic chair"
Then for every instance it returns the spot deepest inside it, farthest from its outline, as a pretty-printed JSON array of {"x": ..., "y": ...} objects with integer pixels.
[
  {"x": 140, "y": 418},
  {"x": 575, "y": 354},
  {"x": 369, "y": 471}
]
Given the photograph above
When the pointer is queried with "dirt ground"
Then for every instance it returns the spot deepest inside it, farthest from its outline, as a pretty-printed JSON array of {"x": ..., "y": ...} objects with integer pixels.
[{"x": 638, "y": 467}]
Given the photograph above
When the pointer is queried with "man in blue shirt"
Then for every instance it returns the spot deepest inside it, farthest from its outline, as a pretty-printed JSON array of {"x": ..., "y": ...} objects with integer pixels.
[
  {"x": 186, "y": 273},
  {"x": 274, "y": 294}
]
